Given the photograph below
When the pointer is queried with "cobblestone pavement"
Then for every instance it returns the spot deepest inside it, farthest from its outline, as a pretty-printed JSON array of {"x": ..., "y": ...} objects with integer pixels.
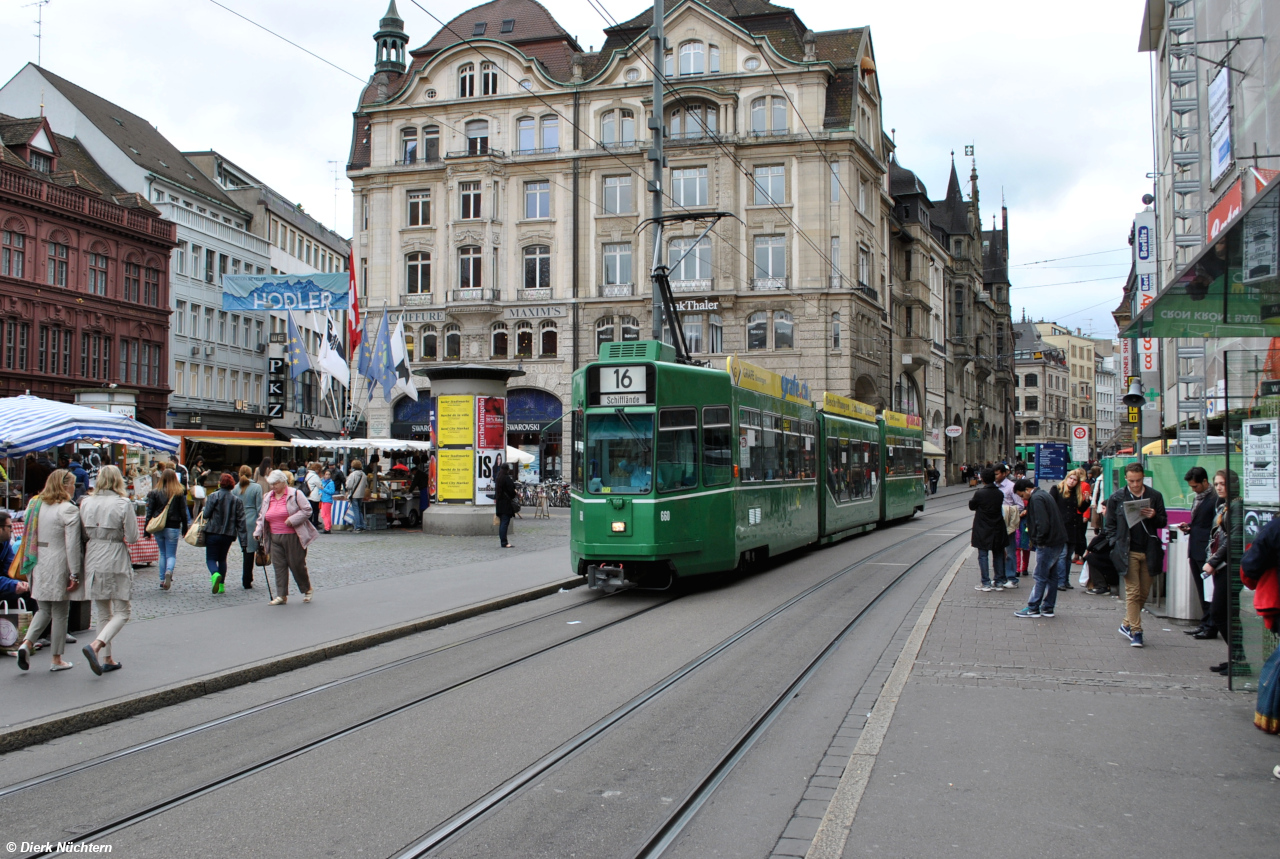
[{"x": 338, "y": 559}]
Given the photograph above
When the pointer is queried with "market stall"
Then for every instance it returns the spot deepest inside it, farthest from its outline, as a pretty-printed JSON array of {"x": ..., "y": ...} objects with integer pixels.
[{"x": 392, "y": 500}]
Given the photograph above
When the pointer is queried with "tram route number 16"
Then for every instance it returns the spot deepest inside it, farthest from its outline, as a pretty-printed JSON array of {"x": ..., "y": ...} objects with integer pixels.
[{"x": 623, "y": 385}]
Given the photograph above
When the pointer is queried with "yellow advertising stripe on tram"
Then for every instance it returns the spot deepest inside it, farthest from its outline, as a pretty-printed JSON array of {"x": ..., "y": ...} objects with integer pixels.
[
  {"x": 837, "y": 405},
  {"x": 751, "y": 377}
]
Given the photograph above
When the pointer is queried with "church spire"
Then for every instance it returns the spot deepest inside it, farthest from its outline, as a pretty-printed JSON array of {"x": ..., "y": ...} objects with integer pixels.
[{"x": 391, "y": 40}]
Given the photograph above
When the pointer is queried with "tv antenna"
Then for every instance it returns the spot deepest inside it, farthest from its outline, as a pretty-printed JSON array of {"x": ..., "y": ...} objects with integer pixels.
[{"x": 39, "y": 4}]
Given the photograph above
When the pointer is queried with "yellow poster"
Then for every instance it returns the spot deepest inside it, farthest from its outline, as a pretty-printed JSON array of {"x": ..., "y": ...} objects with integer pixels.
[
  {"x": 453, "y": 474},
  {"x": 456, "y": 419}
]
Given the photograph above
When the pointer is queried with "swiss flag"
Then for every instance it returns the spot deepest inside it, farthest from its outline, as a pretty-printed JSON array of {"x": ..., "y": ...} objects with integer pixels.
[{"x": 355, "y": 331}]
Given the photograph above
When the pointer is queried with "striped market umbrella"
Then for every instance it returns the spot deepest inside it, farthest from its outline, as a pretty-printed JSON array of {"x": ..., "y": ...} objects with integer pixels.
[{"x": 29, "y": 424}]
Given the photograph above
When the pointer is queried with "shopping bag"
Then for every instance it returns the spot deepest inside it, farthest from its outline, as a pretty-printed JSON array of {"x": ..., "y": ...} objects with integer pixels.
[
  {"x": 1208, "y": 588},
  {"x": 195, "y": 534},
  {"x": 1084, "y": 573},
  {"x": 156, "y": 523},
  {"x": 14, "y": 623}
]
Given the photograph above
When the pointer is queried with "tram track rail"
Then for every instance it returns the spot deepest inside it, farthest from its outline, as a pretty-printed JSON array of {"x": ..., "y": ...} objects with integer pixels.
[
  {"x": 508, "y": 788},
  {"x": 440, "y": 836}
]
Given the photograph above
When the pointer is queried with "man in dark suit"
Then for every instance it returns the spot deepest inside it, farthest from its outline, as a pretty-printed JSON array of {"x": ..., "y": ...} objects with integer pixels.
[{"x": 1198, "y": 532}]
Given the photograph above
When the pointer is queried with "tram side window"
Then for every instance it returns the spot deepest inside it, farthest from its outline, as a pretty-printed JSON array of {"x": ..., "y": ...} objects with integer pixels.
[
  {"x": 891, "y": 456},
  {"x": 750, "y": 446},
  {"x": 837, "y": 476},
  {"x": 808, "y": 451},
  {"x": 677, "y": 466},
  {"x": 791, "y": 449},
  {"x": 575, "y": 432},
  {"x": 717, "y": 446},
  {"x": 771, "y": 447},
  {"x": 872, "y": 457}
]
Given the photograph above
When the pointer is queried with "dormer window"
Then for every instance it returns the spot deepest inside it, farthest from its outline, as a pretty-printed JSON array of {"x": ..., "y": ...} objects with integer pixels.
[
  {"x": 467, "y": 81},
  {"x": 40, "y": 162},
  {"x": 508, "y": 25},
  {"x": 478, "y": 28}
]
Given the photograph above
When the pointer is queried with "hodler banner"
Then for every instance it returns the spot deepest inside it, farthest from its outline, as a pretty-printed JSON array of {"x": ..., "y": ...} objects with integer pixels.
[{"x": 266, "y": 292}]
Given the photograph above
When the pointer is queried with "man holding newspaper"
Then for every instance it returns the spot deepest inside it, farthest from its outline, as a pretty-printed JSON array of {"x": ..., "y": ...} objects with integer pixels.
[{"x": 1135, "y": 515}]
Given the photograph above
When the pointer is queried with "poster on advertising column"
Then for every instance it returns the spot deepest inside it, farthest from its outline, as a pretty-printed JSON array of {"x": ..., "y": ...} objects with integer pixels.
[
  {"x": 487, "y": 464},
  {"x": 491, "y": 423},
  {"x": 453, "y": 476},
  {"x": 455, "y": 417}
]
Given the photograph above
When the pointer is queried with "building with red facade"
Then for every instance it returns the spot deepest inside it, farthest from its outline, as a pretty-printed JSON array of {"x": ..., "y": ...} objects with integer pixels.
[{"x": 84, "y": 275}]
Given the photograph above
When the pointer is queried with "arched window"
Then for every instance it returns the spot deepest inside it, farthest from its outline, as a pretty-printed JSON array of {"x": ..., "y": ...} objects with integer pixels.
[
  {"x": 488, "y": 79},
  {"x": 408, "y": 346},
  {"x": 498, "y": 340},
  {"x": 477, "y": 136},
  {"x": 1033, "y": 427},
  {"x": 524, "y": 339},
  {"x": 537, "y": 267},
  {"x": 467, "y": 81},
  {"x": 604, "y": 332},
  {"x": 758, "y": 331},
  {"x": 550, "y": 339},
  {"x": 429, "y": 352},
  {"x": 692, "y": 58},
  {"x": 769, "y": 115},
  {"x": 905, "y": 397},
  {"x": 469, "y": 259},
  {"x": 452, "y": 342},
  {"x": 418, "y": 273},
  {"x": 618, "y": 128},
  {"x": 409, "y": 146},
  {"x": 630, "y": 328},
  {"x": 835, "y": 330},
  {"x": 693, "y": 120},
  {"x": 784, "y": 330},
  {"x": 1031, "y": 380}
]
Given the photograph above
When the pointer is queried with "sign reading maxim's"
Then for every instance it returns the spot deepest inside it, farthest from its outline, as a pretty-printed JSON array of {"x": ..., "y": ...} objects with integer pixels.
[{"x": 286, "y": 291}]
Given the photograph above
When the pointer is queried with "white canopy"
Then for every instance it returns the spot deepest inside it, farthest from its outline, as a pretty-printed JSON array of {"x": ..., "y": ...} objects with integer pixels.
[
  {"x": 515, "y": 454},
  {"x": 30, "y": 424},
  {"x": 378, "y": 444}
]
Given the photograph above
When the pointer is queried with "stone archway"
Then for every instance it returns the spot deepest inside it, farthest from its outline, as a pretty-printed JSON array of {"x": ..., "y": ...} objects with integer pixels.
[{"x": 866, "y": 391}]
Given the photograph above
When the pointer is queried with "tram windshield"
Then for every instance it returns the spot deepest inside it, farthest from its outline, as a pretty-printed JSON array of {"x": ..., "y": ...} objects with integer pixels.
[{"x": 619, "y": 453}]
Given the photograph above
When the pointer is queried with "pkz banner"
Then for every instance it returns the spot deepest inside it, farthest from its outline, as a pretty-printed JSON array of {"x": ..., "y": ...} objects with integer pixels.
[{"x": 265, "y": 292}]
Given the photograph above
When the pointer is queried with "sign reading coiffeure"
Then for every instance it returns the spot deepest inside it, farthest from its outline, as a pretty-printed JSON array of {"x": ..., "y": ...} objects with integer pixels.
[{"x": 304, "y": 292}]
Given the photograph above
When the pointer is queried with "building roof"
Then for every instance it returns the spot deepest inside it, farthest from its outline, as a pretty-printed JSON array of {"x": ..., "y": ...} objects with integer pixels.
[
  {"x": 903, "y": 182},
  {"x": 951, "y": 214},
  {"x": 138, "y": 139},
  {"x": 531, "y": 22},
  {"x": 995, "y": 256}
]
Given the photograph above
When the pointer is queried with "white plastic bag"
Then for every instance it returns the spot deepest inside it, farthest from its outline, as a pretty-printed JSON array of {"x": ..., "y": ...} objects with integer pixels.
[
  {"x": 1084, "y": 573},
  {"x": 1208, "y": 588}
]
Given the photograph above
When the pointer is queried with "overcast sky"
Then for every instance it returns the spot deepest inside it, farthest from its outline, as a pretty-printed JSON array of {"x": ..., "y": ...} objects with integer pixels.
[{"x": 1056, "y": 105}]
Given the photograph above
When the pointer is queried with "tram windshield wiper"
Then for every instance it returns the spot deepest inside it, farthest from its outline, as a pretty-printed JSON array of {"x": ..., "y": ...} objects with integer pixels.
[{"x": 639, "y": 436}]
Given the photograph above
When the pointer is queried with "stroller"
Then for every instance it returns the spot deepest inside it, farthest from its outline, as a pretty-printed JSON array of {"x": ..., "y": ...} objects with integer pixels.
[{"x": 1102, "y": 571}]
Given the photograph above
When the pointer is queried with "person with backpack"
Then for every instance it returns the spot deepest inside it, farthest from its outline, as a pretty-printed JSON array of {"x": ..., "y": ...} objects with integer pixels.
[
  {"x": 1137, "y": 550},
  {"x": 1048, "y": 536}
]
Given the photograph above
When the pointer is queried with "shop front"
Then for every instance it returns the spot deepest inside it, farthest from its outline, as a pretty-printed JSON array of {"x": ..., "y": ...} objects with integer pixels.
[
  {"x": 534, "y": 426},
  {"x": 413, "y": 420}
]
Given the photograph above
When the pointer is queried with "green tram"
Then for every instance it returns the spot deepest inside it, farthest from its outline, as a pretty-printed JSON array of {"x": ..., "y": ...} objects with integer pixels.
[{"x": 681, "y": 470}]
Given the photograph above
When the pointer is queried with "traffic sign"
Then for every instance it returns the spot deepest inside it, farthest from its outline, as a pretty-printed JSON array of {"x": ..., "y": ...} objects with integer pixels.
[{"x": 1079, "y": 443}]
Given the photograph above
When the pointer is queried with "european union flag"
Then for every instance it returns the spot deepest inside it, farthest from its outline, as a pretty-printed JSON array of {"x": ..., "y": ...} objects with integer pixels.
[{"x": 295, "y": 352}]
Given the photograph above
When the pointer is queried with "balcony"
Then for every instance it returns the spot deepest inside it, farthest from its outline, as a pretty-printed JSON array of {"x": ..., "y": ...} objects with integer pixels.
[
  {"x": 983, "y": 366},
  {"x": 766, "y": 284},
  {"x": 542, "y": 293},
  {"x": 473, "y": 295},
  {"x": 214, "y": 227},
  {"x": 533, "y": 153},
  {"x": 916, "y": 351},
  {"x": 477, "y": 152},
  {"x": 422, "y": 163},
  {"x": 869, "y": 293},
  {"x": 705, "y": 284},
  {"x": 617, "y": 290},
  {"x": 78, "y": 201},
  {"x": 836, "y": 281}
]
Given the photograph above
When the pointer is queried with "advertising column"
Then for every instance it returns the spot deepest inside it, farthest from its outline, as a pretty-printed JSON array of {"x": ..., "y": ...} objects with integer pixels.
[{"x": 456, "y": 418}]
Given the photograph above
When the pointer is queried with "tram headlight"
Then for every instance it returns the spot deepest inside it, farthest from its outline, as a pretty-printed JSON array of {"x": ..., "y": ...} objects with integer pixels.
[{"x": 619, "y": 527}]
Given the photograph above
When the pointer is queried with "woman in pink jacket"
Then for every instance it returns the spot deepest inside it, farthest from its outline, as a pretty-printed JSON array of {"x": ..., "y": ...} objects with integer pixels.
[{"x": 284, "y": 526}]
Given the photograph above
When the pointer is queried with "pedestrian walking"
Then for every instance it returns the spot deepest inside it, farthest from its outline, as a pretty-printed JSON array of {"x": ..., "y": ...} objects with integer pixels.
[
  {"x": 989, "y": 534},
  {"x": 109, "y": 523},
  {"x": 1048, "y": 536},
  {"x": 357, "y": 487},
  {"x": 313, "y": 485},
  {"x": 1136, "y": 549},
  {"x": 250, "y": 495},
  {"x": 1072, "y": 502},
  {"x": 199, "y": 486},
  {"x": 504, "y": 494},
  {"x": 326, "y": 500},
  {"x": 1199, "y": 531},
  {"x": 1225, "y": 543},
  {"x": 284, "y": 524},
  {"x": 1258, "y": 573},
  {"x": 934, "y": 476},
  {"x": 168, "y": 499},
  {"x": 223, "y": 525},
  {"x": 55, "y": 580}
]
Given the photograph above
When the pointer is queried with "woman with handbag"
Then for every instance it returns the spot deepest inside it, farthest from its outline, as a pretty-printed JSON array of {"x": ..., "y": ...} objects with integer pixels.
[
  {"x": 55, "y": 577},
  {"x": 357, "y": 488},
  {"x": 1226, "y": 541},
  {"x": 504, "y": 494},
  {"x": 199, "y": 492},
  {"x": 223, "y": 525},
  {"x": 170, "y": 501},
  {"x": 250, "y": 495},
  {"x": 109, "y": 523},
  {"x": 284, "y": 525}
]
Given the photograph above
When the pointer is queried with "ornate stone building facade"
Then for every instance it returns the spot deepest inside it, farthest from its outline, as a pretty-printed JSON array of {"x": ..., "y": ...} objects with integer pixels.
[
  {"x": 500, "y": 181},
  {"x": 84, "y": 275}
]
